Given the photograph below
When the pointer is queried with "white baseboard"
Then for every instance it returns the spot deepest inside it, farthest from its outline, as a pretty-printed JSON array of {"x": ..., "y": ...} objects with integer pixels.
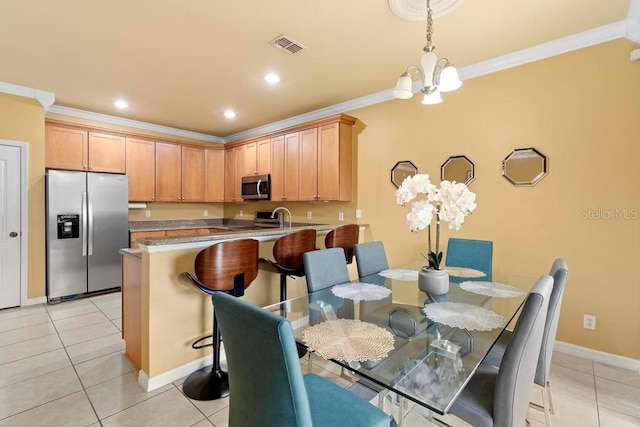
[
  {"x": 34, "y": 301},
  {"x": 150, "y": 384},
  {"x": 598, "y": 356}
]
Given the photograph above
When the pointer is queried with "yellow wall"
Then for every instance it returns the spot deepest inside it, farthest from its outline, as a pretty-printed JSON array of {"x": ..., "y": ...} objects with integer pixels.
[
  {"x": 581, "y": 109},
  {"x": 22, "y": 119}
]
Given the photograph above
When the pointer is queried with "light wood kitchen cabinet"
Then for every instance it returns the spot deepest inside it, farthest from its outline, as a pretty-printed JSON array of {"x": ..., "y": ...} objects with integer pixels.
[
  {"x": 309, "y": 165},
  {"x": 325, "y": 163},
  {"x": 107, "y": 153},
  {"x": 285, "y": 169},
  {"x": 193, "y": 166},
  {"x": 141, "y": 164},
  {"x": 264, "y": 156},
  {"x": 250, "y": 163},
  {"x": 66, "y": 148},
  {"x": 78, "y": 149},
  {"x": 234, "y": 170},
  {"x": 168, "y": 172},
  {"x": 214, "y": 175}
]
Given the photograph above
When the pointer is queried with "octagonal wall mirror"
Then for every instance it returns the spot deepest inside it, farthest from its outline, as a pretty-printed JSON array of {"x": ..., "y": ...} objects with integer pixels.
[
  {"x": 525, "y": 166},
  {"x": 458, "y": 169},
  {"x": 401, "y": 170}
]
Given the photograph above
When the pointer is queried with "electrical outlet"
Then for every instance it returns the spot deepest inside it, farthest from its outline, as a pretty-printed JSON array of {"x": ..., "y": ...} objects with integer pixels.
[
  {"x": 147, "y": 214},
  {"x": 340, "y": 216},
  {"x": 589, "y": 322},
  {"x": 241, "y": 212},
  {"x": 308, "y": 214},
  {"x": 358, "y": 213},
  {"x": 205, "y": 212}
]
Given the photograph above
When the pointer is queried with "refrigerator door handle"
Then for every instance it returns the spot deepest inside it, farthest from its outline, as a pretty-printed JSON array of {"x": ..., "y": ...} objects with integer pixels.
[
  {"x": 90, "y": 204},
  {"x": 84, "y": 223}
]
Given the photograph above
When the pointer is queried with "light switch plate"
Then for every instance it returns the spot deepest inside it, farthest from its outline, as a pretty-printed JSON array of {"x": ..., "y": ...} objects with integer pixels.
[
  {"x": 147, "y": 214},
  {"x": 340, "y": 216},
  {"x": 358, "y": 213},
  {"x": 309, "y": 215}
]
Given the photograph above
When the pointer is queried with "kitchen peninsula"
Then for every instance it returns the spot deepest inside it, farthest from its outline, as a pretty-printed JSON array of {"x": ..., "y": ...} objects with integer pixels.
[{"x": 161, "y": 317}]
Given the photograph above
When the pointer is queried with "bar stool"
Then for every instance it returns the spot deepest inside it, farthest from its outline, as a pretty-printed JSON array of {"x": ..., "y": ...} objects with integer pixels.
[
  {"x": 287, "y": 252},
  {"x": 345, "y": 237},
  {"x": 227, "y": 267}
]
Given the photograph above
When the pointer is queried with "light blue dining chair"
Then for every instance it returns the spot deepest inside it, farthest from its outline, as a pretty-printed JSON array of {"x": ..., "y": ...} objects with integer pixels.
[
  {"x": 267, "y": 387},
  {"x": 371, "y": 258},
  {"x": 499, "y": 396},
  {"x": 476, "y": 254},
  {"x": 324, "y": 268},
  {"x": 559, "y": 271}
]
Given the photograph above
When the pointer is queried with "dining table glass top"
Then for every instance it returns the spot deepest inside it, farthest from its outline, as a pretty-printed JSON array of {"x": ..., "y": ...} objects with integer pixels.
[{"x": 429, "y": 362}]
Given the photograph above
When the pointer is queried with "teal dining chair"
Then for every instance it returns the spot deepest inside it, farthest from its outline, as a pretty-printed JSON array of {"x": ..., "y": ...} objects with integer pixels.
[
  {"x": 476, "y": 254},
  {"x": 265, "y": 379},
  {"x": 499, "y": 396},
  {"x": 370, "y": 258},
  {"x": 560, "y": 272}
]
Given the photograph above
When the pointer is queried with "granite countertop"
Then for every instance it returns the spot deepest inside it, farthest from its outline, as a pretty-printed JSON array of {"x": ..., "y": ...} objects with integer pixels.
[
  {"x": 232, "y": 233},
  {"x": 132, "y": 252}
]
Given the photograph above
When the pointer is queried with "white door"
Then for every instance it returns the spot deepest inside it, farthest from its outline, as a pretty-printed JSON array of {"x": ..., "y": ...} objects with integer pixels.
[{"x": 9, "y": 226}]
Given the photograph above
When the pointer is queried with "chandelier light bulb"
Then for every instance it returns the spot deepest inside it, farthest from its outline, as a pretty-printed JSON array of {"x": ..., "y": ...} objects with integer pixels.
[
  {"x": 432, "y": 98},
  {"x": 449, "y": 80}
]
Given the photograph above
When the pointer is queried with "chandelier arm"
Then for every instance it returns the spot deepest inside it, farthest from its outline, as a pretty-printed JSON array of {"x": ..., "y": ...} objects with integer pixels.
[{"x": 418, "y": 70}]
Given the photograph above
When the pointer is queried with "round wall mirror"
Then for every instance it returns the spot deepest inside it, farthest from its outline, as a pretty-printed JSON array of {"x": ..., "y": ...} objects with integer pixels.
[
  {"x": 524, "y": 166},
  {"x": 458, "y": 169},
  {"x": 401, "y": 170}
]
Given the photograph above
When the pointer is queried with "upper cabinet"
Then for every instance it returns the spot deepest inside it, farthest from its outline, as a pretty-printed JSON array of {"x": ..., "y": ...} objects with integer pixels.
[
  {"x": 335, "y": 159},
  {"x": 285, "y": 168},
  {"x": 309, "y": 164},
  {"x": 193, "y": 172},
  {"x": 168, "y": 172},
  {"x": 214, "y": 175},
  {"x": 234, "y": 170},
  {"x": 141, "y": 164},
  {"x": 78, "y": 149}
]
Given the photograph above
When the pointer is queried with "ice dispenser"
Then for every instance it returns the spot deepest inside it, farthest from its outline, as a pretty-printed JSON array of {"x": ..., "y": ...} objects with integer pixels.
[{"x": 68, "y": 226}]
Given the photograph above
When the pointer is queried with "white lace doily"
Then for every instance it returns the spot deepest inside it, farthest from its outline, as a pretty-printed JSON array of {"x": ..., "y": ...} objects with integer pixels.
[
  {"x": 463, "y": 316},
  {"x": 464, "y": 272},
  {"x": 348, "y": 340},
  {"x": 400, "y": 274},
  {"x": 498, "y": 290},
  {"x": 361, "y": 291}
]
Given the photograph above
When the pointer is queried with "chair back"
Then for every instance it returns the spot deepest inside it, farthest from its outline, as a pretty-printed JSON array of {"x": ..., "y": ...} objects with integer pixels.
[
  {"x": 217, "y": 268},
  {"x": 288, "y": 249},
  {"x": 476, "y": 254},
  {"x": 265, "y": 379},
  {"x": 370, "y": 258},
  {"x": 324, "y": 268},
  {"x": 518, "y": 366},
  {"x": 345, "y": 237},
  {"x": 559, "y": 272}
]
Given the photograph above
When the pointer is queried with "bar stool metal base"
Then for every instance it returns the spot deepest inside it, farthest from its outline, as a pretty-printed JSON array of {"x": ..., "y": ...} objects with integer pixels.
[{"x": 207, "y": 384}]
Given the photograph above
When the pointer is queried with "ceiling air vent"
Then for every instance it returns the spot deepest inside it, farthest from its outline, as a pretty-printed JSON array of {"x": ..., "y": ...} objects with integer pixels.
[{"x": 287, "y": 45}]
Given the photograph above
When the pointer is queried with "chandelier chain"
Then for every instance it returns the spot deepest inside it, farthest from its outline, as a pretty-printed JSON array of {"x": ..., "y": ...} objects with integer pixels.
[{"x": 429, "y": 23}]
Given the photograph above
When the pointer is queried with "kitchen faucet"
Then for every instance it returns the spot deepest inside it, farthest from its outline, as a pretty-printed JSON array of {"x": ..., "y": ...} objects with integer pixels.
[{"x": 273, "y": 214}]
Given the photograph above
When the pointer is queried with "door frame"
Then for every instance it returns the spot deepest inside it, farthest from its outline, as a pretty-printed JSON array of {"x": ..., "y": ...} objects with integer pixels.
[{"x": 24, "y": 219}]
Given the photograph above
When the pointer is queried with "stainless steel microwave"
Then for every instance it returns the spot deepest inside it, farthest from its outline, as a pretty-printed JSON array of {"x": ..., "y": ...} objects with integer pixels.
[{"x": 256, "y": 187}]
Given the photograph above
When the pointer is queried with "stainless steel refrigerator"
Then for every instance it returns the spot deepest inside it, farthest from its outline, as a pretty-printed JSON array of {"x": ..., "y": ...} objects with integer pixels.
[{"x": 87, "y": 225}]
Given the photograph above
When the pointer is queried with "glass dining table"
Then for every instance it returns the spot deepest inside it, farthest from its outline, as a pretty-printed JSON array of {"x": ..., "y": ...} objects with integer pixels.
[{"x": 430, "y": 362}]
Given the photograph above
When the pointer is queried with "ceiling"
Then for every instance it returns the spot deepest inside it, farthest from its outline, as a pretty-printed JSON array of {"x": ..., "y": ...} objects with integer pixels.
[{"x": 182, "y": 63}]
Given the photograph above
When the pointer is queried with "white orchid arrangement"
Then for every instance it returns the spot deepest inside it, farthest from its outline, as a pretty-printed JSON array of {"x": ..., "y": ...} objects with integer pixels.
[{"x": 452, "y": 202}]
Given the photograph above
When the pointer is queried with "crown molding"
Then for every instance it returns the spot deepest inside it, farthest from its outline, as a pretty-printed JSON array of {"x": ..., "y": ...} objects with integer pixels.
[
  {"x": 557, "y": 47},
  {"x": 133, "y": 124},
  {"x": 633, "y": 21},
  {"x": 588, "y": 38},
  {"x": 629, "y": 28},
  {"x": 45, "y": 98}
]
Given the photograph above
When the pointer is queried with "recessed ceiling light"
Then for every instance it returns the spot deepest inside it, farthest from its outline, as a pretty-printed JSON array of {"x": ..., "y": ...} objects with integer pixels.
[
  {"x": 272, "y": 78},
  {"x": 229, "y": 114},
  {"x": 121, "y": 104}
]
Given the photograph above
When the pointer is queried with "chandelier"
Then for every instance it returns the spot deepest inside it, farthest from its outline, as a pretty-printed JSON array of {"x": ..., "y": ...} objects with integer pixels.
[{"x": 436, "y": 75}]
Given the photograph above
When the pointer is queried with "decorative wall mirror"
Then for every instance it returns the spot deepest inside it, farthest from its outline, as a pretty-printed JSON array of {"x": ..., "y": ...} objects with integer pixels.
[
  {"x": 401, "y": 170},
  {"x": 458, "y": 169},
  {"x": 524, "y": 166}
]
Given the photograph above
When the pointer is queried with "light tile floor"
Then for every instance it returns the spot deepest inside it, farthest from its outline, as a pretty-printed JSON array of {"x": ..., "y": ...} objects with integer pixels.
[{"x": 64, "y": 365}]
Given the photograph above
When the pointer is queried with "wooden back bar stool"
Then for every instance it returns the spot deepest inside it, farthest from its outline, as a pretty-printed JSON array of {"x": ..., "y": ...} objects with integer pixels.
[
  {"x": 227, "y": 267},
  {"x": 287, "y": 253},
  {"x": 345, "y": 237}
]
